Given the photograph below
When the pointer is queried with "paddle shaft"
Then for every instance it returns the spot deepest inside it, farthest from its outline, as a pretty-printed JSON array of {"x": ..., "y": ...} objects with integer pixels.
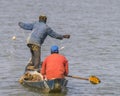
[{"x": 78, "y": 77}]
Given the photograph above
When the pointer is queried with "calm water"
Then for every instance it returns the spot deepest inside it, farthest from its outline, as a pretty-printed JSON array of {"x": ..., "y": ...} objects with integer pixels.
[{"x": 93, "y": 49}]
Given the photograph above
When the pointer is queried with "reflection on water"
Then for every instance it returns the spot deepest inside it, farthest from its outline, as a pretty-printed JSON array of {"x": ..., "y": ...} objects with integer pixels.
[{"x": 93, "y": 48}]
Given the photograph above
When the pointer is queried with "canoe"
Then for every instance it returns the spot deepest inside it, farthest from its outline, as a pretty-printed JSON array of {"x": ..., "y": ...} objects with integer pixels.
[
  {"x": 55, "y": 85},
  {"x": 34, "y": 79}
]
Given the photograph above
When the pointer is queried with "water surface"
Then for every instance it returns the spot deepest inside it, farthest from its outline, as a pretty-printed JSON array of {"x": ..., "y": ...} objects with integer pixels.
[{"x": 93, "y": 49}]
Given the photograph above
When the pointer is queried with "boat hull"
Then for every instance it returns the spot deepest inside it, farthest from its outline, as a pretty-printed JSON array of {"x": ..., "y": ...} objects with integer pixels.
[{"x": 56, "y": 85}]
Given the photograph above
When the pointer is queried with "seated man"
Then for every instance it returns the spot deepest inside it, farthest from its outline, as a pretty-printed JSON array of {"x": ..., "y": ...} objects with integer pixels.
[{"x": 55, "y": 65}]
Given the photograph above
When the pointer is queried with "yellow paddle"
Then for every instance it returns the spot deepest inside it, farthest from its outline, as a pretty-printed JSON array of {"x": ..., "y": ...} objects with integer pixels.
[{"x": 92, "y": 79}]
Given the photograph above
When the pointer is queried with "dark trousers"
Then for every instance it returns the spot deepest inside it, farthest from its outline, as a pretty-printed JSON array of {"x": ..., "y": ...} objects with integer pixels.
[{"x": 35, "y": 56}]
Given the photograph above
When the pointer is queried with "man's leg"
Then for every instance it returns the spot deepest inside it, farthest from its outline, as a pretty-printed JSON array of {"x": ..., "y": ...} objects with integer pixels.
[
  {"x": 36, "y": 56},
  {"x": 30, "y": 62}
]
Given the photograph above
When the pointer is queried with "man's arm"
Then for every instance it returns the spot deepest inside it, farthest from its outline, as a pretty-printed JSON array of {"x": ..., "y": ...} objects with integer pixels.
[
  {"x": 26, "y": 26},
  {"x": 66, "y": 68},
  {"x": 43, "y": 69},
  {"x": 56, "y": 35}
]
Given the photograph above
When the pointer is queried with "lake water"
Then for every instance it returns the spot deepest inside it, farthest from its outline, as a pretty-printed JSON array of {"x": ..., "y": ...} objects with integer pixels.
[{"x": 93, "y": 49}]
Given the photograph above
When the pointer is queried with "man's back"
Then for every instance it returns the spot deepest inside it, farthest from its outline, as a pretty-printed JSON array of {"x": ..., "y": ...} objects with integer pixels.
[{"x": 55, "y": 66}]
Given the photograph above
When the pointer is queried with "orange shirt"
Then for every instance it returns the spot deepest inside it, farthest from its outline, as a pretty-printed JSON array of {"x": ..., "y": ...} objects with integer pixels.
[{"x": 55, "y": 66}]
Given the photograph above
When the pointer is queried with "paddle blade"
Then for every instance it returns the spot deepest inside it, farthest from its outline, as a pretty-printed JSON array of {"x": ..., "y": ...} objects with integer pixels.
[{"x": 94, "y": 80}]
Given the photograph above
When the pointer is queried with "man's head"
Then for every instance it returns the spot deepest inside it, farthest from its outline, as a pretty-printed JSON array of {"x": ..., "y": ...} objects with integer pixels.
[
  {"x": 43, "y": 18},
  {"x": 54, "y": 49}
]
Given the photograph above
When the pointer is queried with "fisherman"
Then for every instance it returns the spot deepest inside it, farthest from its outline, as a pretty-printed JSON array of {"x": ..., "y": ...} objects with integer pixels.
[
  {"x": 55, "y": 65},
  {"x": 40, "y": 30}
]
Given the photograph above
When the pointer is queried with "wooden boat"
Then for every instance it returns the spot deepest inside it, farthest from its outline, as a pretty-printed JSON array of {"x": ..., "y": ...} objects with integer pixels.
[
  {"x": 55, "y": 85},
  {"x": 35, "y": 79}
]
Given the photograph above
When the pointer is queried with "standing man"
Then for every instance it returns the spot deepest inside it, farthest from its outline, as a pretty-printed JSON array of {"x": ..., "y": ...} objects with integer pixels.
[
  {"x": 40, "y": 30},
  {"x": 55, "y": 65}
]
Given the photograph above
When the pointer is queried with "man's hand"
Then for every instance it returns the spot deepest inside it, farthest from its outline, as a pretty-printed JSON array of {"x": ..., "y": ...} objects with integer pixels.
[{"x": 66, "y": 36}]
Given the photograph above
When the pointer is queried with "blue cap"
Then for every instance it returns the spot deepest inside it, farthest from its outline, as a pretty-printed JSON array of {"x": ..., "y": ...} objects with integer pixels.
[{"x": 54, "y": 49}]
